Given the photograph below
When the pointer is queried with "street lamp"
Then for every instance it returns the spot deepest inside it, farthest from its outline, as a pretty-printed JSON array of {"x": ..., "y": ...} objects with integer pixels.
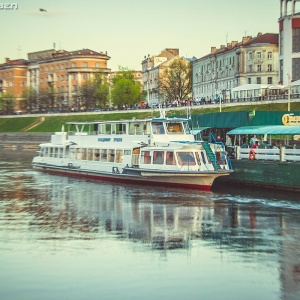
[{"x": 289, "y": 92}]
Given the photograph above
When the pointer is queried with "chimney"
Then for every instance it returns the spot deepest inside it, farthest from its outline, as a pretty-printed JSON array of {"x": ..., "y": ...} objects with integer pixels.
[
  {"x": 7, "y": 60},
  {"x": 222, "y": 46},
  {"x": 213, "y": 49},
  {"x": 234, "y": 43},
  {"x": 246, "y": 39}
]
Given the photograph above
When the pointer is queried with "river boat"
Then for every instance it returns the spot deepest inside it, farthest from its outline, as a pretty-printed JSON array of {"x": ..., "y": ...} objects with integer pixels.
[{"x": 156, "y": 151}]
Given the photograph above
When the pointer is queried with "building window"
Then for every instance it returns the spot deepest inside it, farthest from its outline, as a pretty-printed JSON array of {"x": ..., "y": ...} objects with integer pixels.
[
  {"x": 258, "y": 55},
  {"x": 281, "y": 71},
  {"x": 250, "y": 68},
  {"x": 270, "y": 55},
  {"x": 258, "y": 80},
  {"x": 73, "y": 65},
  {"x": 258, "y": 68},
  {"x": 249, "y": 80},
  {"x": 296, "y": 40},
  {"x": 97, "y": 65},
  {"x": 74, "y": 76},
  {"x": 281, "y": 41},
  {"x": 270, "y": 80},
  {"x": 296, "y": 68},
  {"x": 250, "y": 56},
  {"x": 85, "y": 64},
  {"x": 270, "y": 68},
  {"x": 85, "y": 76},
  {"x": 23, "y": 83}
]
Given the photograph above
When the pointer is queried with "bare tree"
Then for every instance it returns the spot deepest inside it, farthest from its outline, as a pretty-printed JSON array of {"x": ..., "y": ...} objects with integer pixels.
[{"x": 175, "y": 81}]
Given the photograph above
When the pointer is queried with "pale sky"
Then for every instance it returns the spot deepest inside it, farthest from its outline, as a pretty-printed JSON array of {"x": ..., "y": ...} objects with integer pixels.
[{"x": 130, "y": 29}]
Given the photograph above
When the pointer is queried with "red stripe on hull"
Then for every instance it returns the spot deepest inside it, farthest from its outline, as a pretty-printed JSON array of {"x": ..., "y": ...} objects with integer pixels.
[{"x": 118, "y": 179}]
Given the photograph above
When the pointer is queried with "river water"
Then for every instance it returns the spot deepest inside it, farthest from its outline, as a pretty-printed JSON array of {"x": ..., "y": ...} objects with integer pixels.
[{"x": 66, "y": 238}]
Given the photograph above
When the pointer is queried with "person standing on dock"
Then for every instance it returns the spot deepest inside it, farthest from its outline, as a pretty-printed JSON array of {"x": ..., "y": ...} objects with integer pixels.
[{"x": 253, "y": 140}]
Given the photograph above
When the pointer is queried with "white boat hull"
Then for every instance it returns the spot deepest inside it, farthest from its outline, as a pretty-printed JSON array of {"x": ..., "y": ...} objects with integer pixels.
[{"x": 195, "y": 180}]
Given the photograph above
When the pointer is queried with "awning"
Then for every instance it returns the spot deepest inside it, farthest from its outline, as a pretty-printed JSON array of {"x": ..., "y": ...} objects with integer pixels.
[
  {"x": 275, "y": 129},
  {"x": 197, "y": 130}
]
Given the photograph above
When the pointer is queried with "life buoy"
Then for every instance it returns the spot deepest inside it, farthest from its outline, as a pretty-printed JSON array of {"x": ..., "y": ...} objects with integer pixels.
[{"x": 252, "y": 155}]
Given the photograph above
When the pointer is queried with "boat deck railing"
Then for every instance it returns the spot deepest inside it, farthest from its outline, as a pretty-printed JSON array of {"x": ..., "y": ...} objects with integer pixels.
[{"x": 282, "y": 154}]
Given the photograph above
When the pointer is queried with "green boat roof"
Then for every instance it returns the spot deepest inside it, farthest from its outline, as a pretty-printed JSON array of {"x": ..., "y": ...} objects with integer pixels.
[{"x": 275, "y": 129}]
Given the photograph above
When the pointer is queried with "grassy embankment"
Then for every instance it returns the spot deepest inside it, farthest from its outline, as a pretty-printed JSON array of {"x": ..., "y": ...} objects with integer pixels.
[{"x": 54, "y": 123}]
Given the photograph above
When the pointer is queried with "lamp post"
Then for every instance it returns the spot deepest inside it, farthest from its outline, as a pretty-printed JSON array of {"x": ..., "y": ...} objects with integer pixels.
[
  {"x": 289, "y": 92},
  {"x": 109, "y": 97}
]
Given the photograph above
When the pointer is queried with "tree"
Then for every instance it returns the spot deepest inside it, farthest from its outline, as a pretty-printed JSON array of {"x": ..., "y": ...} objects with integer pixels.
[
  {"x": 175, "y": 81},
  {"x": 30, "y": 99},
  {"x": 126, "y": 91},
  {"x": 7, "y": 102},
  {"x": 94, "y": 92}
]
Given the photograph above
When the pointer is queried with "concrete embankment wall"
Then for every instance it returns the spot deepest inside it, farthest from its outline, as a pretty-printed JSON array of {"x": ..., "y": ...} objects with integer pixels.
[{"x": 22, "y": 140}]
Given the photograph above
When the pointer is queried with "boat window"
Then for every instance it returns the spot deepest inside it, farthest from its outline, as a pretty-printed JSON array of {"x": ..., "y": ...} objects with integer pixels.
[
  {"x": 90, "y": 154},
  {"x": 50, "y": 151},
  {"x": 96, "y": 154},
  {"x": 42, "y": 152},
  {"x": 120, "y": 128},
  {"x": 45, "y": 151},
  {"x": 136, "y": 128},
  {"x": 145, "y": 157},
  {"x": 111, "y": 155},
  {"x": 158, "y": 128},
  {"x": 158, "y": 157},
  {"x": 72, "y": 153},
  {"x": 147, "y": 128},
  {"x": 103, "y": 156},
  {"x": 170, "y": 158},
  {"x": 107, "y": 128},
  {"x": 77, "y": 153},
  {"x": 203, "y": 157},
  {"x": 101, "y": 129},
  {"x": 119, "y": 156},
  {"x": 113, "y": 128},
  {"x": 185, "y": 158},
  {"x": 83, "y": 154},
  {"x": 175, "y": 127},
  {"x": 198, "y": 158}
]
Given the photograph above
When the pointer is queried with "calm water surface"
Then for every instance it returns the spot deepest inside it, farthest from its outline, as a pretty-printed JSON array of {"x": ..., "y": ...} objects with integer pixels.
[{"x": 65, "y": 238}]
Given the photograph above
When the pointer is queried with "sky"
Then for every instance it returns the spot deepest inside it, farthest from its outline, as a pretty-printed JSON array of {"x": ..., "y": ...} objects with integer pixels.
[{"x": 131, "y": 29}]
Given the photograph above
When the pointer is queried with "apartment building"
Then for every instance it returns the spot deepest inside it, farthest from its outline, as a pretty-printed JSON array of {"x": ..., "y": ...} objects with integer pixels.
[
  {"x": 252, "y": 60},
  {"x": 60, "y": 71},
  {"x": 152, "y": 66},
  {"x": 289, "y": 41},
  {"x": 13, "y": 82}
]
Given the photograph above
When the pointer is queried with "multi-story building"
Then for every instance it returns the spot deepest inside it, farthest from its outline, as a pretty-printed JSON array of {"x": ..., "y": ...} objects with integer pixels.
[
  {"x": 62, "y": 72},
  {"x": 253, "y": 60},
  {"x": 289, "y": 41},
  {"x": 13, "y": 82},
  {"x": 151, "y": 68}
]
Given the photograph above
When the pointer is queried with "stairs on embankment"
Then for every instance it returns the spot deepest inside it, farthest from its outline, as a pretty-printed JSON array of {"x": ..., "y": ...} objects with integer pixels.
[{"x": 23, "y": 140}]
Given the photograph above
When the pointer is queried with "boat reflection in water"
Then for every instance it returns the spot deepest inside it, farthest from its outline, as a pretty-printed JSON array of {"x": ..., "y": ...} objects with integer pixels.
[{"x": 248, "y": 243}]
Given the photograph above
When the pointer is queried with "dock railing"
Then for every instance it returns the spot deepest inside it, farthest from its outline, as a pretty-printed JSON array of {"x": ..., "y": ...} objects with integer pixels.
[{"x": 282, "y": 154}]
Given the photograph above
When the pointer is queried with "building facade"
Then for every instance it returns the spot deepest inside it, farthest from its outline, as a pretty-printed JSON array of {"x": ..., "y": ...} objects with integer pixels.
[
  {"x": 62, "y": 72},
  {"x": 253, "y": 60},
  {"x": 289, "y": 41},
  {"x": 13, "y": 83},
  {"x": 151, "y": 68}
]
